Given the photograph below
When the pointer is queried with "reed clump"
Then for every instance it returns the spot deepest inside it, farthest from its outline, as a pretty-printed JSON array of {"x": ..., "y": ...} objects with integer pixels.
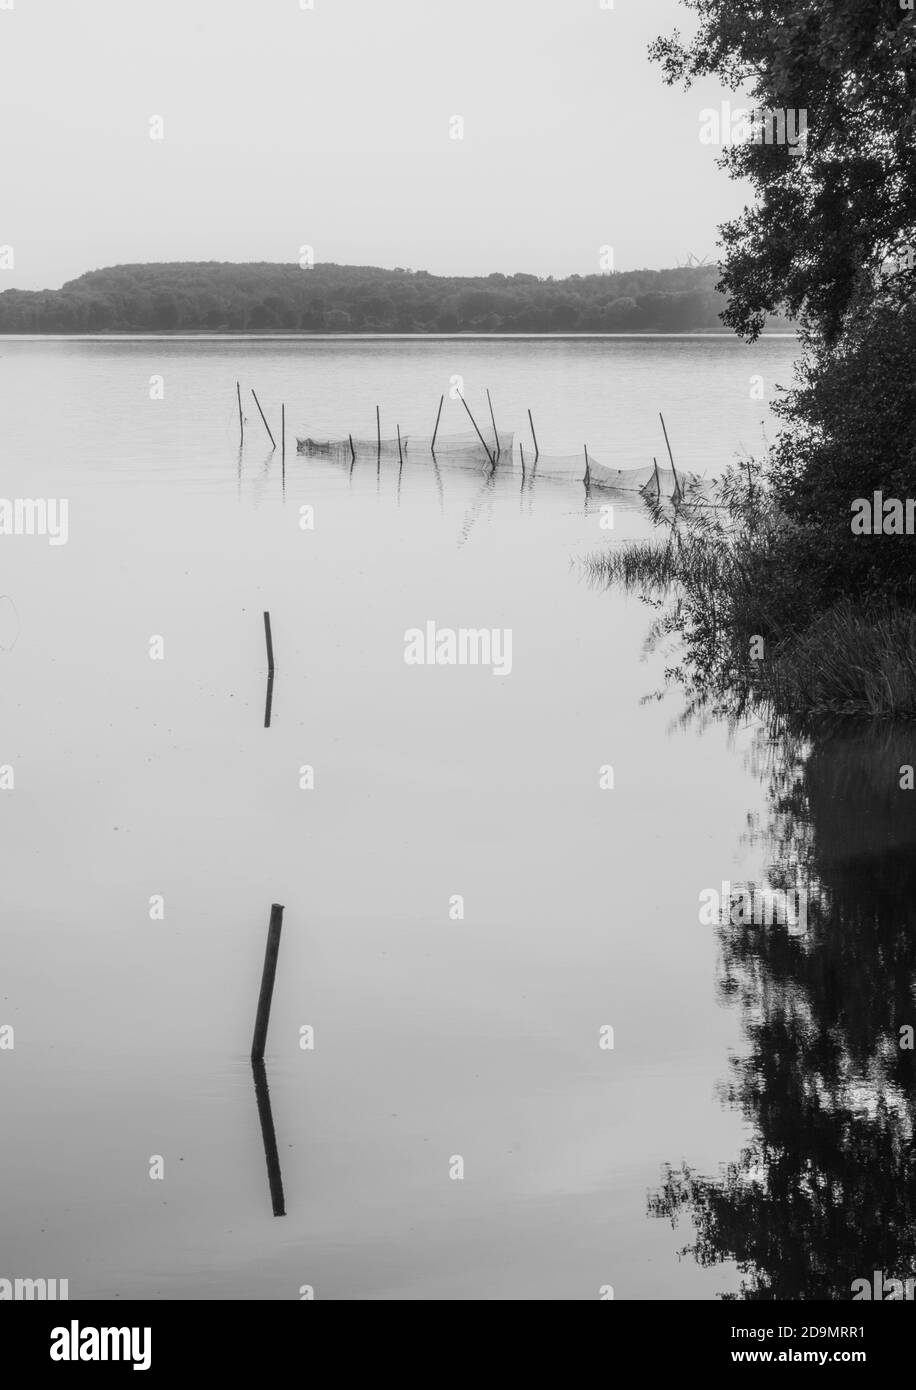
[{"x": 731, "y": 582}]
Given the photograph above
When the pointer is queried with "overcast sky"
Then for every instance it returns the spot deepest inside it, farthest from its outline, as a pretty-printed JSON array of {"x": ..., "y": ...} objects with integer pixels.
[{"x": 331, "y": 128}]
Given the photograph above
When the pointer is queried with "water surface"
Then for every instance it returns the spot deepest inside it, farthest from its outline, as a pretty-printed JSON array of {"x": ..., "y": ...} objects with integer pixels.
[{"x": 434, "y": 1038}]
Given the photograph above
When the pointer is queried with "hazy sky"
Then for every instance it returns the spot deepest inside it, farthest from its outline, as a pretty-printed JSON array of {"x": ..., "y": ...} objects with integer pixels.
[{"x": 330, "y": 127}]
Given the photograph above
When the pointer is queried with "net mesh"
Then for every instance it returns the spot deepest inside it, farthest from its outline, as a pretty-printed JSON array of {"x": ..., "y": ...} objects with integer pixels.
[
  {"x": 650, "y": 480},
  {"x": 465, "y": 450},
  {"x": 461, "y": 449},
  {"x": 662, "y": 482}
]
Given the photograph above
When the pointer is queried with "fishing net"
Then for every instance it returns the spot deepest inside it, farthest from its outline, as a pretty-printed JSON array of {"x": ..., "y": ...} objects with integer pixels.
[
  {"x": 653, "y": 481},
  {"x": 448, "y": 444},
  {"x": 465, "y": 450},
  {"x": 461, "y": 449},
  {"x": 650, "y": 480}
]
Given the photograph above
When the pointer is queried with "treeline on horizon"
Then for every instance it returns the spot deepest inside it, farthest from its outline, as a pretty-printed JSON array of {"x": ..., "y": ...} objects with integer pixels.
[{"x": 219, "y": 296}]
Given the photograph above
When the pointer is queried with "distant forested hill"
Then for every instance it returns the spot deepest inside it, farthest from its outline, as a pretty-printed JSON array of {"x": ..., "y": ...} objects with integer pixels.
[{"x": 214, "y": 296}]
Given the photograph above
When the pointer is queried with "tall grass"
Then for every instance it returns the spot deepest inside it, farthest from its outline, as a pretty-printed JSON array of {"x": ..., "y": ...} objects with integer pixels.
[{"x": 853, "y": 659}]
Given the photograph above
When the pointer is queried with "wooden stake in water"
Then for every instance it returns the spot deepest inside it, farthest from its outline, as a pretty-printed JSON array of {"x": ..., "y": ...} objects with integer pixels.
[
  {"x": 495, "y": 431},
  {"x": 264, "y": 418},
  {"x": 534, "y": 437},
  {"x": 588, "y": 476},
  {"x": 400, "y": 455},
  {"x": 267, "y": 983},
  {"x": 270, "y": 645},
  {"x": 270, "y": 671},
  {"x": 238, "y": 392},
  {"x": 677, "y": 485},
  {"x": 283, "y": 442},
  {"x": 352, "y": 450},
  {"x": 378, "y": 430},
  {"x": 521, "y": 449},
  {"x": 479, "y": 435},
  {"x": 432, "y": 449}
]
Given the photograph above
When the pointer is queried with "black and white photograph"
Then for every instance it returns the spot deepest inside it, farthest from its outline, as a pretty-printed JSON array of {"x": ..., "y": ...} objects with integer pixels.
[{"x": 458, "y": 668}]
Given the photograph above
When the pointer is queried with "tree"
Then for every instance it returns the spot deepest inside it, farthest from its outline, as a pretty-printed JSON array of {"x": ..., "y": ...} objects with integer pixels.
[
  {"x": 165, "y": 310},
  {"x": 852, "y": 435},
  {"x": 828, "y": 217}
]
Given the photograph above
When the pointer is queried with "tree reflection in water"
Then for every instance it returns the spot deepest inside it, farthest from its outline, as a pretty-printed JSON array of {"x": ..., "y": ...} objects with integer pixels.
[{"x": 825, "y": 1191}]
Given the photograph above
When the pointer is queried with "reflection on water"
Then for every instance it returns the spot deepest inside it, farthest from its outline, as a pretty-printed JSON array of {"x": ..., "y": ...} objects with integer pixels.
[
  {"x": 268, "y": 1134},
  {"x": 823, "y": 1192}
]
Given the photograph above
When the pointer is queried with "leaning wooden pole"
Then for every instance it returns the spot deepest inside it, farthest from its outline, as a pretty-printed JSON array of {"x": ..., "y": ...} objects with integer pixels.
[
  {"x": 267, "y": 983},
  {"x": 264, "y": 418},
  {"x": 400, "y": 454},
  {"x": 677, "y": 485},
  {"x": 479, "y": 435},
  {"x": 432, "y": 448},
  {"x": 352, "y": 450},
  {"x": 270, "y": 645},
  {"x": 534, "y": 437},
  {"x": 587, "y": 479},
  {"x": 238, "y": 392},
  {"x": 493, "y": 419},
  {"x": 269, "y": 699}
]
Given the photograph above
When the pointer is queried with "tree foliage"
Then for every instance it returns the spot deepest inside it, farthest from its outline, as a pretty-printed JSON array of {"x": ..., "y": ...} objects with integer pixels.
[
  {"x": 825, "y": 223},
  {"x": 214, "y": 296}
]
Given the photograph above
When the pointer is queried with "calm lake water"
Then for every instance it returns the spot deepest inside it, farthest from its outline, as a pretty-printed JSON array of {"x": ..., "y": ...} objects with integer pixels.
[{"x": 434, "y": 1039}]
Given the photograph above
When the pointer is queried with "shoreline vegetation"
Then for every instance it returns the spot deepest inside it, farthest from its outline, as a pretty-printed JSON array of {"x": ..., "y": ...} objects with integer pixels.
[
  {"x": 303, "y": 334},
  {"x": 782, "y": 605},
  {"x": 258, "y": 297},
  {"x": 722, "y": 578}
]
